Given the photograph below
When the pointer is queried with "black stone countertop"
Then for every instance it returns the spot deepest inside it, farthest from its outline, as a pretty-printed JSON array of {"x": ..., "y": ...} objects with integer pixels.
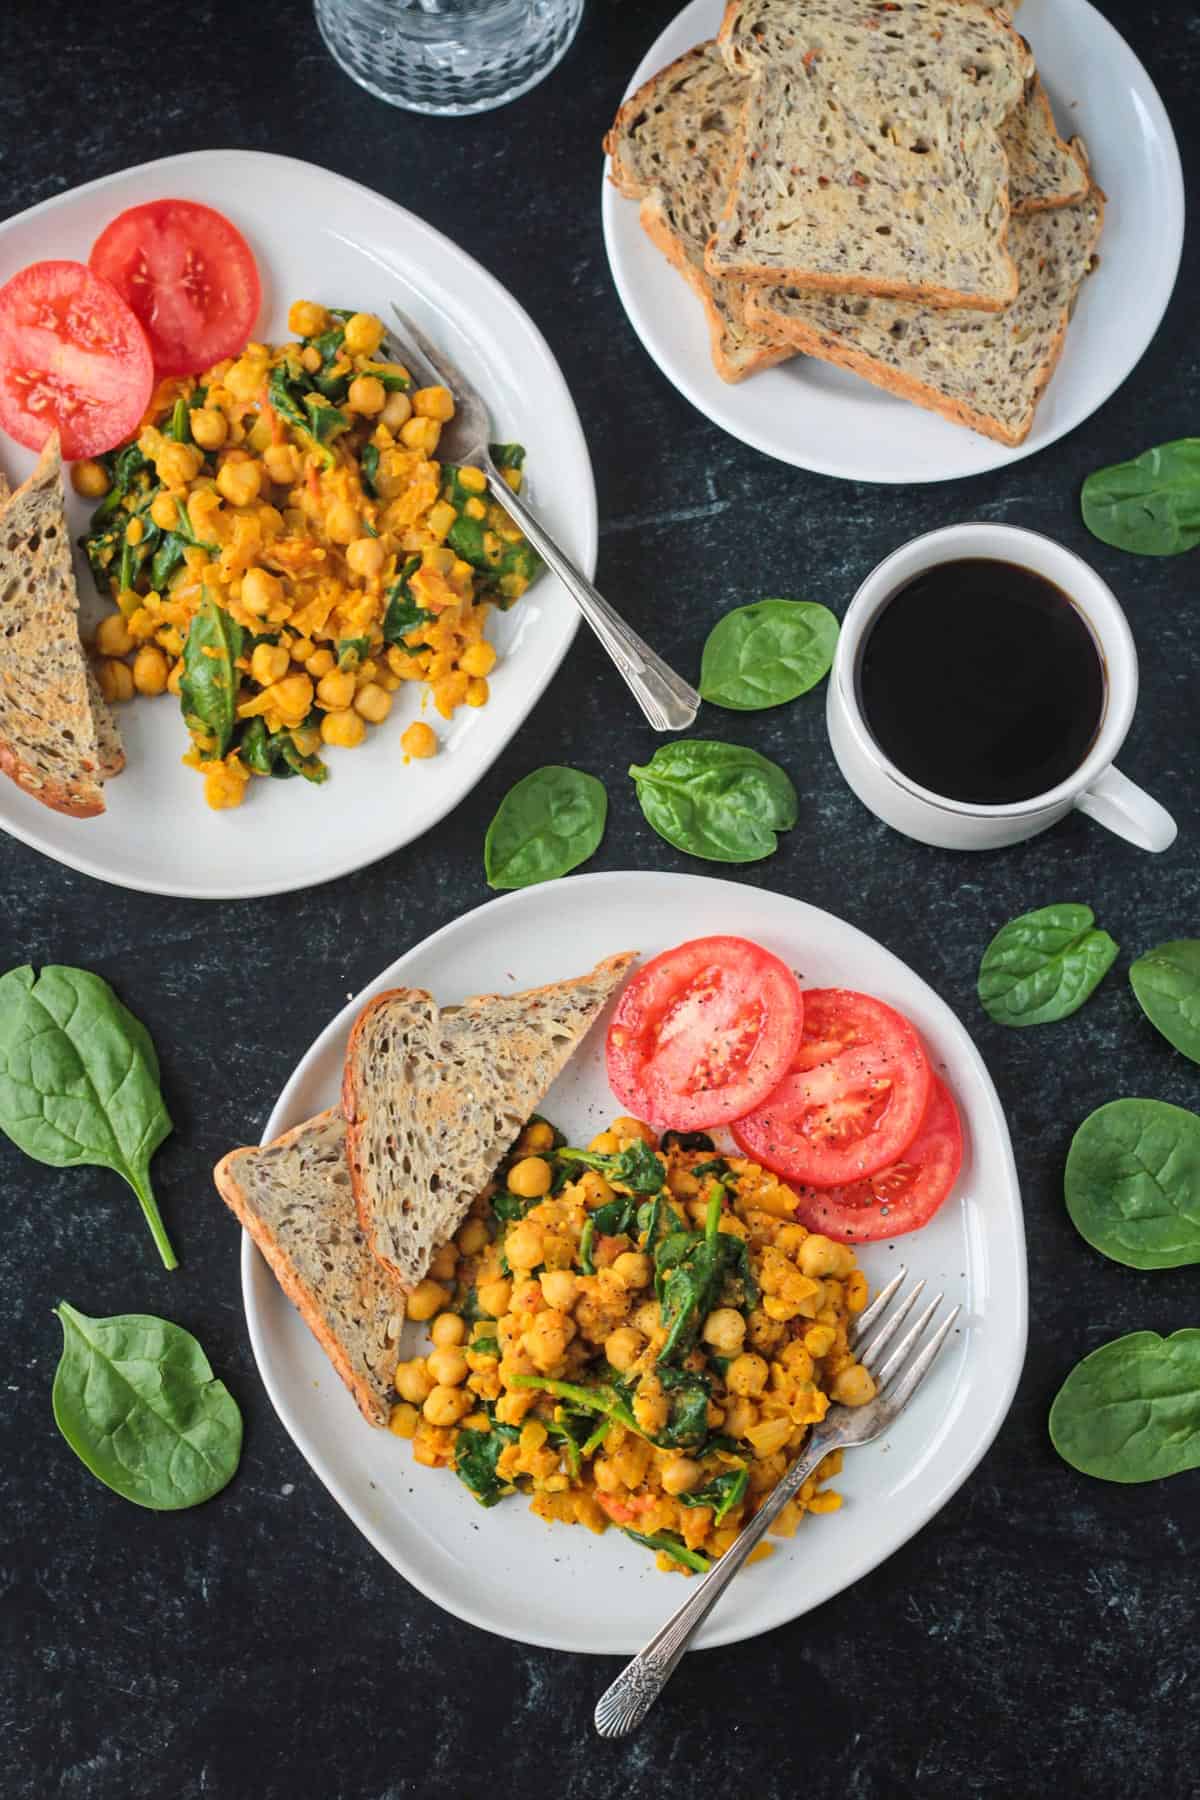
[{"x": 1039, "y": 1635}]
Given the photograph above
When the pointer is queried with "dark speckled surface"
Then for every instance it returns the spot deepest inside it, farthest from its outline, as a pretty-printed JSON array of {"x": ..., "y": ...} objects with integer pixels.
[{"x": 1039, "y": 1636}]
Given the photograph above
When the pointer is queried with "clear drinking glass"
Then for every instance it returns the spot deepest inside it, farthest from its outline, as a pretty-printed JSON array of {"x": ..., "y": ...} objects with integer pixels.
[{"x": 448, "y": 56}]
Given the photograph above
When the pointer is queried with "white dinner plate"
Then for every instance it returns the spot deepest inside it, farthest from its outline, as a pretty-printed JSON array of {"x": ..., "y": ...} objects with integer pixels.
[
  {"x": 559, "y": 1585},
  {"x": 822, "y": 418},
  {"x": 319, "y": 237}
]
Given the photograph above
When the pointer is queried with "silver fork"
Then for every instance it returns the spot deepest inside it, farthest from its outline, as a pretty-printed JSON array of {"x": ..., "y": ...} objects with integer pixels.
[
  {"x": 669, "y": 702},
  {"x": 625, "y": 1704}
]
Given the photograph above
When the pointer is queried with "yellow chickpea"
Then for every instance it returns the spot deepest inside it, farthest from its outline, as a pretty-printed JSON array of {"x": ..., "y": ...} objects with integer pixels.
[
  {"x": 373, "y": 703},
  {"x": 115, "y": 678},
  {"x": 525, "y": 1245},
  {"x": 605, "y": 1143},
  {"x": 623, "y": 1346},
  {"x": 90, "y": 479},
  {"x": 681, "y": 1475},
  {"x": 854, "y": 1386},
  {"x": 548, "y": 1337},
  {"x": 319, "y": 663},
  {"x": 269, "y": 663},
  {"x": 434, "y": 403},
  {"x": 443, "y": 1262},
  {"x": 747, "y": 1375},
  {"x": 282, "y": 463},
  {"x": 302, "y": 649},
  {"x": 239, "y": 482},
  {"x": 494, "y": 1297},
  {"x": 342, "y": 523},
  {"x": 450, "y": 692},
  {"x": 363, "y": 334},
  {"x": 335, "y": 691},
  {"x": 306, "y": 318},
  {"x": 447, "y": 1331},
  {"x": 626, "y": 1129},
  {"x": 478, "y": 692},
  {"x": 209, "y": 427},
  {"x": 413, "y": 1381},
  {"x": 426, "y": 1299},
  {"x": 365, "y": 556},
  {"x": 421, "y": 434},
  {"x": 366, "y": 395},
  {"x": 177, "y": 464},
  {"x": 402, "y": 1420},
  {"x": 472, "y": 1237},
  {"x": 150, "y": 670},
  {"x": 821, "y": 1256},
  {"x": 632, "y": 1269},
  {"x": 448, "y": 1405},
  {"x": 646, "y": 1317},
  {"x": 397, "y": 411},
  {"x": 419, "y": 740},
  {"x": 112, "y": 636},
  {"x": 594, "y": 1188},
  {"x": 448, "y": 1367},
  {"x": 343, "y": 730},
  {"x": 725, "y": 1330},
  {"x": 559, "y": 1289},
  {"x": 651, "y": 1408},
  {"x": 740, "y": 1414},
  {"x": 797, "y": 1361},
  {"x": 529, "y": 1178}
]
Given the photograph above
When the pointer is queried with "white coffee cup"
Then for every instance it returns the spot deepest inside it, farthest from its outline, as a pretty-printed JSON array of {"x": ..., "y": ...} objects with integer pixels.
[{"x": 1095, "y": 788}]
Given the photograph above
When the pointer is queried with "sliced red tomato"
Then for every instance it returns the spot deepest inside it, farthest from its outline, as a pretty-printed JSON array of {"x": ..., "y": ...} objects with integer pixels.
[
  {"x": 73, "y": 359},
  {"x": 188, "y": 274},
  {"x": 853, "y": 1097},
  {"x": 704, "y": 1032},
  {"x": 900, "y": 1198}
]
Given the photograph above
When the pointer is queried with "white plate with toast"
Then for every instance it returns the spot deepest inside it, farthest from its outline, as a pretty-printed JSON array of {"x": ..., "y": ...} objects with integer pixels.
[
  {"x": 560, "y": 1586},
  {"x": 318, "y": 236},
  {"x": 822, "y": 417}
]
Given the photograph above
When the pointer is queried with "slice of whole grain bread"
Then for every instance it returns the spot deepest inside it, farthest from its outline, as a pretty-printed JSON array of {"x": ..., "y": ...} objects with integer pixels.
[
  {"x": 871, "y": 159},
  {"x": 434, "y": 1097},
  {"x": 294, "y": 1198},
  {"x": 57, "y": 736},
  {"x": 672, "y": 147},
  {"x": 986, "y": 371},
  {"x": 1043, "y": 169}
]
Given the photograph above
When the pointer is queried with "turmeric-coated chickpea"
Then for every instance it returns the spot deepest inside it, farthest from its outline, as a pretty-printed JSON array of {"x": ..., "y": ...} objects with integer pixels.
[
  {"x": 529, "y": 1178},
  {"x": 448, "y": 1330},
  {"x": 150, "y": 670},
  {"x": 240, "y": 481},
  {"x": 342, "y": 523},
  {"x": 605, "y": 1143},
  {"x": 478, "y": 692},
  {"x": 421, "y": 434},
  {"x": 623, "y": 1346},
  {"x": 740, "y": 1414},
  {"x": 595, "y": 1189},
  {"x": 307, "y": 318},
  {"x": 443, "y": 1262},
  {"x": 343, "y": 730},
  {"x": 164, "y": 511},
  {"x": 632, "y": 1268},
  {"x": 548, "y": 1337},
  {"x": 209, "y": 427},
  {"x": 363, "y": 334},
  {"x": 559, "y": 1289},
  {"x": 112, "y": 636},
  {"x": 448, "y": 1367},
  {"x": 282, "y": 462},
  {"x": 725, "y": 1329},
  {"x": 494, "y": 1297},
  {"x": 747, "y": 1375},
  {"x": 426, "y": 1299},
  {"x": 447, "y": 1405},
  {"x": 397, "y": 411},
  {"x": 472, "y": 1237},
  {"x": 335, "y": 691},
  {"x": 373, "y": 703},
  {"x": 413, "y": 1381},
  {"x": 365, "y": 556},
  {"x": 681, "y": 1475},
  {"x": 177, "y": 464},
  {"x": 90, "y": 479},
  {"x": 651, "y": 1408},
  {"x": 366, "y": 395},
  {"x": 115, "y": 678},
  {"x": 853, "y": 1386},
  {"x": 420, "y": 740},
  {"x": 525, "y": 1245},
  {"x": 319, "y": 662},
  {"x": 269, "y": 663},
  {"x": 626, "y": 1129},
  {"x": 821, "y": 1256}
]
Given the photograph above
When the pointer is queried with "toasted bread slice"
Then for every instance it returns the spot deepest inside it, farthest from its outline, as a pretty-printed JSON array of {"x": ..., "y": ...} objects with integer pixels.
[
  {"x": 295, "y": 1200},
  {"x": 986, "y": 371},
  {"x": 433, "y": 1098},
  {"x": 871, "y": 160},
  {"x": 57, "y": 736},
  {"x": 672, "y": 147}
]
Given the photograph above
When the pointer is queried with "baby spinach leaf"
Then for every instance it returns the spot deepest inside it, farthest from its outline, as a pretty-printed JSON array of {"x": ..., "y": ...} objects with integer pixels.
[
  {"x": 79, "y": 1080},
  {"x": 1150, "y": 505},
  {"x": 1167, "y": 984},
  {"x": 719, "y": 801},
  {"x": 137, "y": 1401},
  {"x": 688, "y": 1393},
  {"x": 545, "y": 826},
  {"x": 767, "y": 653},
  {"x": 285, "y": 394},
  {"x": 1044, "y": 965},
  {"x": 1131, "y": 1410},
  {"x": 636, "y": 1167},
  {"x": 674, "y": 1547},
  {"x": 476, "y": 1454},
  {"x": 722, "y": 1493},
  {"x": 403, "y": 613},
  {"x": 208, "y": 689},
  {"x": 1132, "y": 1183}
]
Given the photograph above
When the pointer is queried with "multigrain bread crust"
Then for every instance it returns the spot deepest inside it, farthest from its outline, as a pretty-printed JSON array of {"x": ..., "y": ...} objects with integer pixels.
[
  {"x": 917, "y": 157},
  {"x": 294, "y": 1198},
  {"x": 433, "y": 1098},
  {"x": 983, "y": 371},
  {"x": 672, "y": 146},
  {"x": 57, "y": 736},
  {"x": 1043, "y": 169}
]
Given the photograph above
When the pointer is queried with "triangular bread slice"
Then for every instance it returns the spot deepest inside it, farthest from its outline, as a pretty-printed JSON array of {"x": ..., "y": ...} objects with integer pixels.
[
  {"x": 294, "y": 1198},
  {"x": 672, "y": 146},
  {"x": 871, "y": 159},
  {"x": 57, "y": 736},
  {"x": 1043, "y": 169},
  {"x": 433, "y": 1098},
  {"x": 984, "y": 370}
]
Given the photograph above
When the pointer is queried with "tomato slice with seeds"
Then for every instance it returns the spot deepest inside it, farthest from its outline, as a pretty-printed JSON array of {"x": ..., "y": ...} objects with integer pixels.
[
  {"x": 704, "y": 1032},
  {"x": 188, "y": 274},
  {"x": 853, "y": 1098},
  {"x": 73, "y": 359},
  {"x": 900, "y": 1198}
]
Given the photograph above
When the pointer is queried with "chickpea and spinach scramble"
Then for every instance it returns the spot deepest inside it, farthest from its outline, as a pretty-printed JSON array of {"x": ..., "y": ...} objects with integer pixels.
[
  {"x": 285, "y": 551},
  {"x": 637, "y": 1334}
]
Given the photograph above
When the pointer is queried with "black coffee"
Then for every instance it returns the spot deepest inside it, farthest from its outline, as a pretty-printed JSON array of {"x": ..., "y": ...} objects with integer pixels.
[{"x": 981, "y": 681}]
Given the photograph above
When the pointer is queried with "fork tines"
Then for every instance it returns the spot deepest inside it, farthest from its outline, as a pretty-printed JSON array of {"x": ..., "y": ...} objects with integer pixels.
[{"x": 893, "y": 1386}]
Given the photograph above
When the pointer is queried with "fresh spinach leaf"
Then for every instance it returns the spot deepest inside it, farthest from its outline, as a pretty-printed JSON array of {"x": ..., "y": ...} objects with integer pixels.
[
  {"x": 1131, "y": 1410},
  {"x": 1151, "y": 505},
  {"x": 722, "y": 1493},
  {"x": 1166, "y": 982},
  {"x": 766, "y": 654},
  {"x": 719, "y": 801},
  {"x": 1044, "y": 965},
  {"x": 208, "y": 689},
  {"x": 136, "y": 1399},
  {"x": 674, "y": 1547},
  {"x": 79, "y": 1080},
  {"x": 690, "y": 1269},
  {"x": 546, "y": 825},
  {"x": 636, "y": 1167},
  {"x": 476, "y": 1454},
  {"x": 1132, "y": 1183}
]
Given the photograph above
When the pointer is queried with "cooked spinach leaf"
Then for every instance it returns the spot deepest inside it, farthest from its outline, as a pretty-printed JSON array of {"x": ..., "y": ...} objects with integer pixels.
[
  {"x": 719, "y": 801},
  {"x": 208, "y": 689},
  {"x": 1131, "y": 1410},
  {"x": 476, "y": 1454},
  {"x": 687, "y": 1140},
  {"x": 403, "y": 613},
  {"x": 674, "y": 1548},
  {"x": 352, "y": 652},
  {"x": 1043, "y": 966},
  {"x": 587, "y": 1238},
  {"x": 636, "y": 1167},
  {"x": 1166, "y": 982},
  {"x": 767, "y": 653},
  {"x": 368, "y": 462},
  {"x": 689, "y": 1394},
  {"x": 722, "y": 1493},
  {"x": 546, "y": 825},
  {"x": 1150, "y": 505},
  {"x": 1132, "y": 1183}
]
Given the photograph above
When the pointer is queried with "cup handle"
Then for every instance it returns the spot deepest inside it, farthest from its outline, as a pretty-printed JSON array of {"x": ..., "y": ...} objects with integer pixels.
[{"x": 1118, "y": 803}]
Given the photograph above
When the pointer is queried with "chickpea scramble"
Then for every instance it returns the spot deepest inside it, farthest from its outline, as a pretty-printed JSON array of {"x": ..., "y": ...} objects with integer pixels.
[
  {"x": 638, "y": 1334},
  {"x": 285, "y": 551}
]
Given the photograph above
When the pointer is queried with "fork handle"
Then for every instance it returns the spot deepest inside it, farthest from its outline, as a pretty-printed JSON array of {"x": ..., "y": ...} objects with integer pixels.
[
  {"x": 668, "y": 701},
  {"x": 623, "y": 1706}
]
